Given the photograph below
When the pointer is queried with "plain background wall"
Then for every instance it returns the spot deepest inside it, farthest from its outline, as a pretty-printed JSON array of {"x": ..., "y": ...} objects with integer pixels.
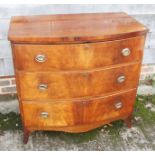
[{"x": 143, "y": 13}]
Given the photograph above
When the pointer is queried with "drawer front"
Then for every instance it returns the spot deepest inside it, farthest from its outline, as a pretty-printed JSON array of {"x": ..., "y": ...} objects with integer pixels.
[
  {"x": 77, "y": 56},
  {"x": 71, "y": 112},
  {"x": 66, "y": 85}
]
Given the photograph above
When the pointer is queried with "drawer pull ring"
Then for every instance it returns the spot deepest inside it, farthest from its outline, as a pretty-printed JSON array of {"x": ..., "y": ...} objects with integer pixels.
[
  {"x": 118, "y": 105},
  {"x": 44, "y": 114},
  {"x": 40, "y": 58},
  {"x": 121, "y": 79},
  {"x": 42, "y": 86},
  {"x": 126, "y": 52}
]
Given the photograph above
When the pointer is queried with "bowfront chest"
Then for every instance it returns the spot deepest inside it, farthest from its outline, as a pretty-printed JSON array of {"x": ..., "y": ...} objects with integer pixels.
[{"x": 76, "y": 72}]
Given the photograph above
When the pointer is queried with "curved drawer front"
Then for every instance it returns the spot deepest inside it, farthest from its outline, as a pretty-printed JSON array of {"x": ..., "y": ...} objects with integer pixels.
[
  {"x": 66, "y": 85},
  {"x": 77, "y": 56},
  {"x": 69, "y": 113}
]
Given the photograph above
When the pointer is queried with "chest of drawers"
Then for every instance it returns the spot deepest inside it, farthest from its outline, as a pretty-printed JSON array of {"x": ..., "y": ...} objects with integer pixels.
[{"x": 76, "y": 72}]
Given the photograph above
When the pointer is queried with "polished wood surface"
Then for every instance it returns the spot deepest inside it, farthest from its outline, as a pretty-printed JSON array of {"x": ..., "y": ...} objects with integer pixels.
[
  {"x": 71, "y": 72},
  {"x": 78, "y": 56},
  {"x": 63, "y": 85},
  {"x": 88, "y": 27},
  {"x": 72, "y": 112}
]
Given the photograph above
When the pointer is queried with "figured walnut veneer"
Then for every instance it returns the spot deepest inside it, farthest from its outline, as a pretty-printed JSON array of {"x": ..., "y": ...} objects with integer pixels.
[{"x": 76, "y": 72}]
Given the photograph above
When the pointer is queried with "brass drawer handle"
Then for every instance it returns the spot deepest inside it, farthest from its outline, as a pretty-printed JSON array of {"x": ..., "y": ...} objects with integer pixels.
[
  {"x": 118, "y": 105},
  {"x": 40, "y": 58},
  {"x": 126, "y": 52},
  {"x": 42, "y": 86},
  {"x": 44, "y": 114},
  {"x": 121, "y": 79}
]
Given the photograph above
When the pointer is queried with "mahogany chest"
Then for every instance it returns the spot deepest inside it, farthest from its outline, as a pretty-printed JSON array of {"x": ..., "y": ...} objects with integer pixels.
[{"x": 76, "y": 72}]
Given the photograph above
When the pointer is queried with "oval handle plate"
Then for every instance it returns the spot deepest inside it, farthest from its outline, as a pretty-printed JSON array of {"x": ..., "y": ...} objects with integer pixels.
[
  {"x": 44, "y": 114},
  {"x": 125, "y": 52},
  {"x": 118, "y": 105},
  {"x": 42, "y": 86},
  {"x": 40, "y": 58},
  {"x": 121, "y": 79}
]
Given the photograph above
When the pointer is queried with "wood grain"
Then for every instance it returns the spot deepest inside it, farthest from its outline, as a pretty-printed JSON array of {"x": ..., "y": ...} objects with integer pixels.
[
  {"x": 83, "y": 61},
  {"x": 74, "y": 28},
  {"x": 70, "y": 113},
  {"x": 64, "y": 85},
  {"x": 77, "y": 56}
]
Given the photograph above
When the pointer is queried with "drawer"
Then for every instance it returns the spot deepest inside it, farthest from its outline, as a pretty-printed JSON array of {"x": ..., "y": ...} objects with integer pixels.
[
  {"x": 77, "y": 56},
  {"x": 74, "y": 112},
  {"x": 66, "y": 85}
]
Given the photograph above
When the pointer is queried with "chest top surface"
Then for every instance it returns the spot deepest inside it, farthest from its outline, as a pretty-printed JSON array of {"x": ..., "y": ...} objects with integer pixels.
[{"x": 68, "y": 28}]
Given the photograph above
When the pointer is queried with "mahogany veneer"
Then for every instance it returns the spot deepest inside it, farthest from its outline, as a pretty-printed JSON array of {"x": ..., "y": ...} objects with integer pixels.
[{"x": 76, "y": 72}]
